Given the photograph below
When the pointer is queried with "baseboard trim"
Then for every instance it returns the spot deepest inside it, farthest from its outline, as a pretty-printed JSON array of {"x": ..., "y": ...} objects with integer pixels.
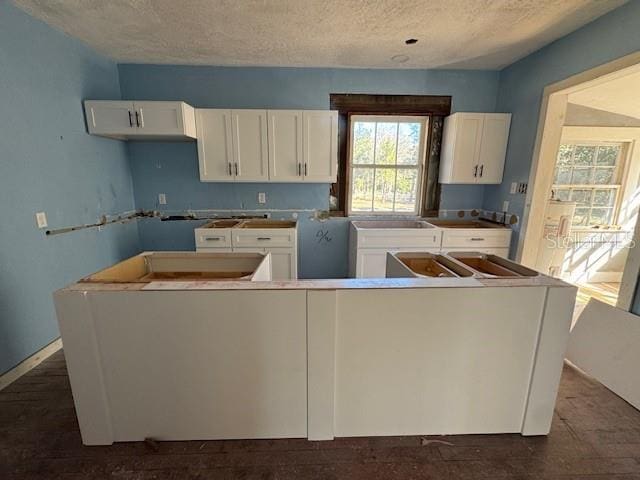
[{"x": 31, "y": 362}]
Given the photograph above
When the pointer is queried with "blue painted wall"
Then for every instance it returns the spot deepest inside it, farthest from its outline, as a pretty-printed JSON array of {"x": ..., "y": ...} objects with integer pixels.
[
  {"x": 521, "y": 86},
  {"x": 173, "y": 168},
  {"x": 48, "y": 163}
]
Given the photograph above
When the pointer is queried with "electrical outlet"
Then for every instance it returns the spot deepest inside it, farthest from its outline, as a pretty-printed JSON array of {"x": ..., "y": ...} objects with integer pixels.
[
  {"x": 505, "y": 206},
  {"x": 514, "y": 187},
  {"x": 41, "y": 220},
  {"x": 262, "y": 197},
  {"x": 162, "y": 199},
  {"x": 522, "y": 187}
]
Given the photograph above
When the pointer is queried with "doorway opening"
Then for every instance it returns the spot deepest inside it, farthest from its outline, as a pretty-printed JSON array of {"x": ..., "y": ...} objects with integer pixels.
[{"x": 580, "y": 221}]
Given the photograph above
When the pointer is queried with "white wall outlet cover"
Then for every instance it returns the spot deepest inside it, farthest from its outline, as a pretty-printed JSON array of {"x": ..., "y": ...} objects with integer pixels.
[
  {"x": 514, "y": 187},
  {"x": 262, "y": 197},
  {"x": 505, "y": 206},
  {"x": 41, "y": 220},
  {"x": 162, "y": 199}
]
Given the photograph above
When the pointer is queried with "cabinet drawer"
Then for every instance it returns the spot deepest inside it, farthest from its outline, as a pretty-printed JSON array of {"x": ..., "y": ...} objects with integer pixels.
[
  {"x": 214, "y": 249},
  {"x": 212, "y": 237},
  {"x": 501, "y": 252},
  {"x": 394, "y": 239},
  {"x": 475, "y": 238},
  {"x": 272, "y": 237}
]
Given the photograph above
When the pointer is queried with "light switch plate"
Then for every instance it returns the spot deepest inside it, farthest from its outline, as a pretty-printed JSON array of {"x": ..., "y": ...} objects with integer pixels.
[
  {"x": 41, "y": 220},
  {"x": 505, "y": 206},
  {"x": 162, "y": 199},
  {"x": 262, "y": 197},
  {"x": 514, "y": 187}
]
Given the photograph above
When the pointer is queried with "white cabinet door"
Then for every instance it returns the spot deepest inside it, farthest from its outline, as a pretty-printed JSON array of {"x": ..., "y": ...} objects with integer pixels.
[
  {"x": 371, "y": 263},
  {"x": 250, "y": 152},
  {"x": 493, "y": 148},
  {"x": 320, "y": 146},
  {"x": 159, "y": 118},
  {"x": 285, "y": 145},
  {"x": 215, "y": 155},
  {"x": 106, "y": 117},
  {"x": 467, "y": 147},
  {"x": 284, "y": 265},
  {"x": 283, "y": 261}
]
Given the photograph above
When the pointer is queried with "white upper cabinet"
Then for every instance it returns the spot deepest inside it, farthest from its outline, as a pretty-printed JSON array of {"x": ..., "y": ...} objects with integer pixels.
[
  {"x": 461, "y": 148},
  {"x": 165, "y": 118},
  {"x": 215, "y": 146},
  {"x": 267, "y": 146},
  {"x": 285, "y": 145},
  {"x": 474, "y": 146},
  {"x": 232, "y": 145},
  {"x": 250, "y": 152},
  {"x": 320, "y": 146},
  {"x": 493, "y": 150},
  {"x": 109, "y": 118},
  {"x": 140, "y": 120}
]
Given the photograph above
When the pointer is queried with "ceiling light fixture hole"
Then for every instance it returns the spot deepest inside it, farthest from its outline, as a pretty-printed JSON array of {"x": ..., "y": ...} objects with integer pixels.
[{"x": 400, "y": 58}]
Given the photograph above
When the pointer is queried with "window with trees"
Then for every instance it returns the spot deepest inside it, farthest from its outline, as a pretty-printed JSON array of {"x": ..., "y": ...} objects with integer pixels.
[
  {"x": 590, "y": 175},
  {"x": 386, "y": 164}
]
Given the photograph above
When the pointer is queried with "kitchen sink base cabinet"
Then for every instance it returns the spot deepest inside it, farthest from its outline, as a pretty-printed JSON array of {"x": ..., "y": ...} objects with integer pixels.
[
  {"x": 314, "y": 359},
  {"x": 370, "y": 240}
]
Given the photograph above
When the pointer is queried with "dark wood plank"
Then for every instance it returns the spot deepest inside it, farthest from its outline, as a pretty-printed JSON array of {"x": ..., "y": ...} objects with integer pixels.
[{"x": 595, "y": 435}]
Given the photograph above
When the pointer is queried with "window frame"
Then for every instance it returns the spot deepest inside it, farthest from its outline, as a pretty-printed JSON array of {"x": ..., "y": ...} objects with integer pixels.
[
  {"x": 436, "y": 107},
  {"x": 420, "y": 167},
  {"x": 618, "y": 176}
]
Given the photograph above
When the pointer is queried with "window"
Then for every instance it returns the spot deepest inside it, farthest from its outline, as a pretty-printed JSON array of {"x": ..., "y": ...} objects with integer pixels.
[
  {"x": 589, "y": 174},
  {"x": 385, "y": 163}
]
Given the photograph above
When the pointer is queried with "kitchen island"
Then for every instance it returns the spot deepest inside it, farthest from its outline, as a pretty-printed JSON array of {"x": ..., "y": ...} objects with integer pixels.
[{"x": 227, "y": 357}]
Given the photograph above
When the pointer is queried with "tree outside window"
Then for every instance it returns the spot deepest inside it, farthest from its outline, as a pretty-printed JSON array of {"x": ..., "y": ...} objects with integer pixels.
[{"x": 386, "y": 164}]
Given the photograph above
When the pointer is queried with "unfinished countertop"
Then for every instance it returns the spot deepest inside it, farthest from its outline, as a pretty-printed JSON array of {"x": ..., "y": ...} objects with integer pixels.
[{"x": 327, "y": 284}]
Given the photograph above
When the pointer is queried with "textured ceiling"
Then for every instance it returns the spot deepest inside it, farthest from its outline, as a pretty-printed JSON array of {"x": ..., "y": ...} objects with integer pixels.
[
  {"x": 621, "y": 96},
  {"x": 478, "y": 34}
]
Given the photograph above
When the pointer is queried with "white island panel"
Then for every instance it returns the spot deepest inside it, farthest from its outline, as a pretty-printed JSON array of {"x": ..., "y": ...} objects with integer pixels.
[
  {"x": 203, "y": 365},
  {"x": 434, "y": 361}
]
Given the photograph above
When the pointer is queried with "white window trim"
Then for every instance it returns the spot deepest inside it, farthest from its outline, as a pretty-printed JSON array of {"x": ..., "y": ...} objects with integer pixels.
[
  {"x": 619, "y": 174},
  {"x": 420, "y": 167}
]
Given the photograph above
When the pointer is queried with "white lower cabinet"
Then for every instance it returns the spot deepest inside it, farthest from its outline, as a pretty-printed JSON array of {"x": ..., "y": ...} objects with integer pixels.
[
  {"x": 369, "y": 242},
  {"x": 372, "y": 262},
  {"x": 283, "y": 261},
  {"x": 282, "y": 243}
]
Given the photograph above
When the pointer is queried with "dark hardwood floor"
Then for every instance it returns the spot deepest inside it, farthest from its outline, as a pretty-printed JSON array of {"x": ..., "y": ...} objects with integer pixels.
[{"x": 595, "y": 435}]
